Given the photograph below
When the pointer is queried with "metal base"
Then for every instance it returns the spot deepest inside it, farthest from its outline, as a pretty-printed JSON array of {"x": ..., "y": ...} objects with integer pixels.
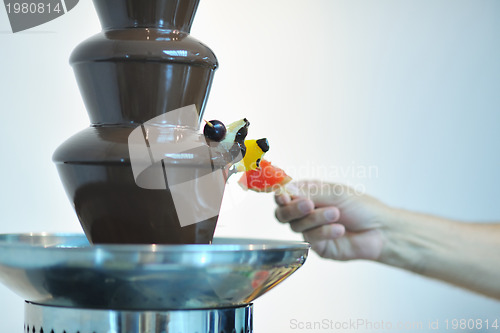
[
  {"x": 65, "y": 271},
  {"x": 53, "y": 319}
]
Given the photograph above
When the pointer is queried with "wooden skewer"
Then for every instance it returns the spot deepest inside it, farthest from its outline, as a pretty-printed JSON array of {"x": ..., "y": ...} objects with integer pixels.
[{"x": 209, "y": 123}]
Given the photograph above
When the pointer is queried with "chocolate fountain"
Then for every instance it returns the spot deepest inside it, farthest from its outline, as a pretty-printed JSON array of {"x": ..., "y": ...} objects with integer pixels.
[
  {"x": 143, "y": 65},
  {"x": 147, "y": 187}
]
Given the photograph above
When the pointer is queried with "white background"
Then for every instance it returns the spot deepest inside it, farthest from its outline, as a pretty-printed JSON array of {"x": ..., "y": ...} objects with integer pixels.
[{"x": 411, "y": 88}]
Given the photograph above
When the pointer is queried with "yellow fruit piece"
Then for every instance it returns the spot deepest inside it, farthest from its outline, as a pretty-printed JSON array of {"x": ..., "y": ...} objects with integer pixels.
[{"x": 255, "y": 150}]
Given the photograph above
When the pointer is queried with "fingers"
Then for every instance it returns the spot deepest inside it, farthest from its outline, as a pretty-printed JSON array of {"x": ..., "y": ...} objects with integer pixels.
[
  {"x": 319, "y": 217},
  {"x": 282, "y": 199},
  {"x": 316, "y": 224},
  {"x": 311, "y": 207},
  {"x": 324, "y": 232},
  {"x": 294, "y": 210}
]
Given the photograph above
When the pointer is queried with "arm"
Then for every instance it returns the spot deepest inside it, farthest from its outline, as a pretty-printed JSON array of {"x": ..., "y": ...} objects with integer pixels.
[
  {"x": 344, "y": 225},
  {"x": 464, "y": 254}
]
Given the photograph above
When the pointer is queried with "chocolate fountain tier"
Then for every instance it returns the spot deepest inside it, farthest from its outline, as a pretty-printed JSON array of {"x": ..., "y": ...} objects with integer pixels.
[
  {"x": 144, "y": 63},
  {"x": 114, "y": 205},
  {"x": 129, "y": 76},
  {"x": 63, "y": 270}
]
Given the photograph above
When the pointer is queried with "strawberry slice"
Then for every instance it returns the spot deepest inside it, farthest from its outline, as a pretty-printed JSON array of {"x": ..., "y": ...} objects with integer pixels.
[{"x": 267, "y": 178}]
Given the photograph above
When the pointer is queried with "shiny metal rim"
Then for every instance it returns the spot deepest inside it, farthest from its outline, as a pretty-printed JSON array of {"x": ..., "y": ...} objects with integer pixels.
[{"x": 219, "y": 244}]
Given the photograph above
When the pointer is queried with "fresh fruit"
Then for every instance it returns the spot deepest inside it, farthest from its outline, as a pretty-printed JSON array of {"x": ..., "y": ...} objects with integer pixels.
[
  {"x": 234, "y": 141},
  {"x": 214, "y": 130},
  {"x": 236, "y": 132},
  {"x": 242, "y": 132},
  {"x": 228, "y": 140},
  {"x": 266, "y": 178},
  {"x": 255, "y": 150}
]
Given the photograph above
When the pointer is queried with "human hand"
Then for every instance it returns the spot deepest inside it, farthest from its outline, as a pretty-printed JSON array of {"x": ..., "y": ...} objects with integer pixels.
[
  {"x": 338, "y": 222},
  {"x": 342, "y": 224}
]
